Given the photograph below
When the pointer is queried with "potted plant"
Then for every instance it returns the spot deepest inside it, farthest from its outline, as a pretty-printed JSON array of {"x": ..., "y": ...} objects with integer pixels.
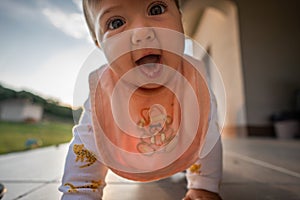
[{"x": 286, "y": 125}]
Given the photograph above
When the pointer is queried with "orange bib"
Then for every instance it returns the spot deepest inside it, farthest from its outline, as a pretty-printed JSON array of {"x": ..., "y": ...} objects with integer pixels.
[{"x": 144, "y": 134}]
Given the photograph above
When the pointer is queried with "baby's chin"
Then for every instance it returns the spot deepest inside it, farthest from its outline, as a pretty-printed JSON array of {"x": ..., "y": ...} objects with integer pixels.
[
  {"x": 151, "y": 89},
  {"x": 151, "y": 86}
]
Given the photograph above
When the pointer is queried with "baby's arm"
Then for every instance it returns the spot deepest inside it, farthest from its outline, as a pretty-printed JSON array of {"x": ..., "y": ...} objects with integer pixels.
[
  {"x": 84, "y": 175},
  {"x": 206, "y": 173}
]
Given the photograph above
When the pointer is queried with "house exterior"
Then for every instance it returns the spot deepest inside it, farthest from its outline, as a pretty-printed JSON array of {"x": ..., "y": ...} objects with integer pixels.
[{"x": 20, "y": 110}]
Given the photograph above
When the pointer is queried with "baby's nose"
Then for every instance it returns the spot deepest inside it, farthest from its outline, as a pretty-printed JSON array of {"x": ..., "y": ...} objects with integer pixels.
[{"x": 142, "y": 35}]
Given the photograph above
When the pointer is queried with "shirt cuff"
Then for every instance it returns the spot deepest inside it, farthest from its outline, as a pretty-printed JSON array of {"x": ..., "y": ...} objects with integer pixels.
[{"x": 201, "y": 182}]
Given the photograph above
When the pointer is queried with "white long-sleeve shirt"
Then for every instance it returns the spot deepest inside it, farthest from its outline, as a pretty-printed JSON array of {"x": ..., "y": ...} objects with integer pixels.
[{"x": 84, "y": 175}]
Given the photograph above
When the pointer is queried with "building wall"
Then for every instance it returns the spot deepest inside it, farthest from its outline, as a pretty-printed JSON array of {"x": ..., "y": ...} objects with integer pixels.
[
  {"x": 11, "y": 111},
  {"x": 33, "y": 112},
  {"x": 18, "y": 110},
  {"x": 269, "y": 34},
  {"x": 270, "y": 43},
  {"x": 217, "y": 29}
]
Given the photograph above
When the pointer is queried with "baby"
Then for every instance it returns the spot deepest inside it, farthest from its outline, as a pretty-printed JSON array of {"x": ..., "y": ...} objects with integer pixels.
[{"x": 149, "y": 111}]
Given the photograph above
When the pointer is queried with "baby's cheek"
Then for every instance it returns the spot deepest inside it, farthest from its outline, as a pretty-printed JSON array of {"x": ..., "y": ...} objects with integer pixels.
[
  {"x": 122, "y": 64},
  {"x": 173, "y": 60}
]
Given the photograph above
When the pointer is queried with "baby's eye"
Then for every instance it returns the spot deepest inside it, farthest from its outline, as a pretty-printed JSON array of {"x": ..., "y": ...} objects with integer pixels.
[
  {"x": 115, "y": 23},
  {"x": 157, "y": 9}
]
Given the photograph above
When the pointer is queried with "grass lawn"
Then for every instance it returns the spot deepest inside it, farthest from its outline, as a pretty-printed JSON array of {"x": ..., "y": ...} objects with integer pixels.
[{"x": 13, "y": 136}]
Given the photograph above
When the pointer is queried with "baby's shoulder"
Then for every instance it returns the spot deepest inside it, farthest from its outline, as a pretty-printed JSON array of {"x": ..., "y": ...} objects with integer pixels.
[
  {"x": 95, "y": 76},
  {"x": 98, "y": 72}
]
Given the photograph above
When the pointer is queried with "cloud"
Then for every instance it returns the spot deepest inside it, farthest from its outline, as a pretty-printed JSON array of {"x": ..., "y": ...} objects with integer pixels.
[{"x": 72, "y": 24}]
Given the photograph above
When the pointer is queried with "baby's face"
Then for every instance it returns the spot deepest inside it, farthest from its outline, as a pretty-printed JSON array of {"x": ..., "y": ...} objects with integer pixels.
[{"x": 140, "y": 28}]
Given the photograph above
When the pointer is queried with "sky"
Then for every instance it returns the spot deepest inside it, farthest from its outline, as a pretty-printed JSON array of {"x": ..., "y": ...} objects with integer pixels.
[{"x": 43, "y": 45}]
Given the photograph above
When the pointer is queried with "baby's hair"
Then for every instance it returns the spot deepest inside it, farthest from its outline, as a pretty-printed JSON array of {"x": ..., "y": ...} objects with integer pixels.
[
  {"x": 87, "y": 4},
  {"x": 88, "y": 17}
]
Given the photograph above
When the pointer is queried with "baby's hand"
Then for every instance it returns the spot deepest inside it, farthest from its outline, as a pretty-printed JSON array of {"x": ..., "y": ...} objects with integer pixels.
[{"x": 198, "y": 194}]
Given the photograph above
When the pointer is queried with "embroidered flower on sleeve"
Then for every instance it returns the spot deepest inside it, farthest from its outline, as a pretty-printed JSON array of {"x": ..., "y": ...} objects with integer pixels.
[
  {"x": 195, "y": 169},
  {"x": 90, "y": 128},
  {"x": 94, "y": 185},
  {"x": 83, "y": 155}
]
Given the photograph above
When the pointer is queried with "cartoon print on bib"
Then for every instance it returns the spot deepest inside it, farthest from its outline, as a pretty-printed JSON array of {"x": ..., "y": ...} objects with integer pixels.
[{"x": 156, "y": 130}]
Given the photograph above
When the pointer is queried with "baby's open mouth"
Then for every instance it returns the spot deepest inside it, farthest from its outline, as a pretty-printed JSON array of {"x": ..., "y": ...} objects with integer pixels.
[
  {"x": 149, "y": 59},
  {"x": 150, "y": 65}
]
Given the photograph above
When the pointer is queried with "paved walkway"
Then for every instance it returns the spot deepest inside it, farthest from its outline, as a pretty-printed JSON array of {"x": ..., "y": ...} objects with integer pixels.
[{"x": 253, "y": 169}]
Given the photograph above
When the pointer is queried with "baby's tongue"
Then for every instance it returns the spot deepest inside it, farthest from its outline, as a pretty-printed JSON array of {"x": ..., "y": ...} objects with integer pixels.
[{"x": 149, "y": 60}]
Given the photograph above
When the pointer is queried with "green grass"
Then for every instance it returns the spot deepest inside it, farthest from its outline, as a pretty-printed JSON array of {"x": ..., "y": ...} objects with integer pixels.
[{"x": 13, "y": 136}]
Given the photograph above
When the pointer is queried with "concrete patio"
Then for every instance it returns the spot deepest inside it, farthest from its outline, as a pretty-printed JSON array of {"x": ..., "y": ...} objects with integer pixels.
[{"x": 254, "y": 168}]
